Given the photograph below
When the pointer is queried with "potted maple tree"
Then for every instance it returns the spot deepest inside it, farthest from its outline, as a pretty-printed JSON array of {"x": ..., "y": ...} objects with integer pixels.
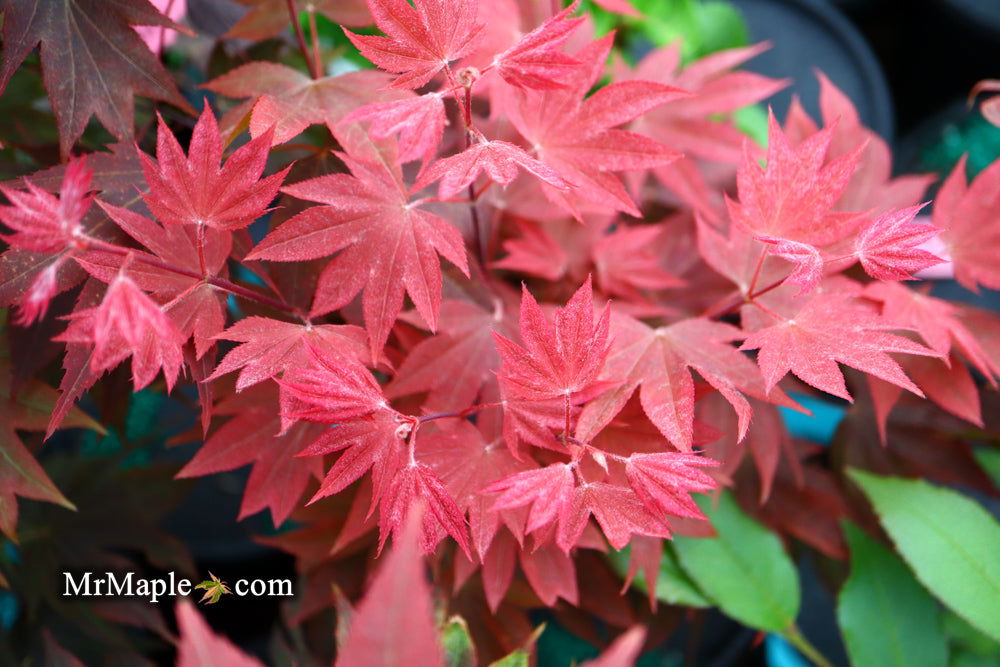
[{"x": 508, "y": 324}]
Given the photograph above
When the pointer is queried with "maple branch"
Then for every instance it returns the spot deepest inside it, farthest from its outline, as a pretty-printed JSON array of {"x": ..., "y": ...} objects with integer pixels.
[
  {"x": 314, "y": 69},
  {"x": 314, "y": 39}
]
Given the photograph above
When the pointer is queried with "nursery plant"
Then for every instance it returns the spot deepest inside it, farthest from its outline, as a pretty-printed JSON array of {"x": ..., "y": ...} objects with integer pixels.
[{"x": 507, "y": 319}]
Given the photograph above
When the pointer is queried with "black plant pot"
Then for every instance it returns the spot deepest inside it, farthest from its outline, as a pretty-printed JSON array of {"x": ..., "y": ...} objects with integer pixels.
[{"x": 807, "y": 35}]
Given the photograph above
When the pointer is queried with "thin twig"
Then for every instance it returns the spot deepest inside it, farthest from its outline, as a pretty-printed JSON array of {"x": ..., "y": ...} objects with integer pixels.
[{"x": 299, "y": 35}]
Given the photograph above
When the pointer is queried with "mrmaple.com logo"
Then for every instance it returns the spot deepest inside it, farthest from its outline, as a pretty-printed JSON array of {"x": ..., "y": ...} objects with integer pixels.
[{"x": 112, "y": 584}]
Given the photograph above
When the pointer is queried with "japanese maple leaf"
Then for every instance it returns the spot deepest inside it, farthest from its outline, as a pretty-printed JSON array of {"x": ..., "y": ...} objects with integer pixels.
[
  {"x": 454, "y": 365},
  {"x": 387, "y": 245},
  {"x": 939, "y": 323},
  {"x": 831, "y": 328},
  {"x": 422, "y": 38},
  {"x": 499, "y": 159},
  {"x": 270, "y": 347},
  {"x": 627, "y": 262},
  {"x": 793, "y": 196},
  {"x": 93, "y": 62},
  {"x": 692, "y": 125},
  {"x": 215, "y": 588},
  {"x": 970, "y": 218},
  {"x": 537, "y": 60},
  {"x": 21, "y": 474},
  {"x": 418, "y": 121},
  {"x": 290, "y": 101},
  {"x": 43, "y": 223},
  {"x": 872, "y": 186},
  {"x": 618, "y": 512},
  {"x": 128, "y": 323},
  {"x": 395, "y": 623},
  {"x": 658, "y": 362},
  {"x": 200, "y": 647},
  {"x": 888, "y": 248},
  {"x": 417, "y": 483},
  {"x": 194, "y": 190},
  {"x": 546, "y": 491},
  {"x": 268, "y": 18},
  {"x": 626, "y": 648},
  {"x": 466, "y": 463},
  {"x": 561, "y": 357},
  {"x": 196, "y": 307},
  {"x": 253, "y": 435},
  {"x": 576, "y": 135},
  {"x": 664, "y": 481}
]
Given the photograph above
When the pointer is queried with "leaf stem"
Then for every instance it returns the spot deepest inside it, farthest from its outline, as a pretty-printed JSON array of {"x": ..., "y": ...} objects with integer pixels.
[
  {"x": 314, "y": 39},
  {"x": 799, "y": 641},
  {"x": 301, "y": 37}
]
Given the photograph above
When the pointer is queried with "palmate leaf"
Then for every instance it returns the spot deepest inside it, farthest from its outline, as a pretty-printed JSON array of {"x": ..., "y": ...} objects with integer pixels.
[
  {"x": 214, "y": 589},
  {"x": 93, "y": 62}
]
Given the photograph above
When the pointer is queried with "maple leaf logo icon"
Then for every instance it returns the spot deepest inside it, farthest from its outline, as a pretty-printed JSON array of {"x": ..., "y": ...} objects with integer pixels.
[{"x": 214, "y": 589}]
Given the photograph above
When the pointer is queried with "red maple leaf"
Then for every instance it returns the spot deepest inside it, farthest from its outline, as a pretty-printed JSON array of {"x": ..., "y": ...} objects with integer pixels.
[
  {"x": 827, "y": 329},
  {"x": 195, "y": 306},
  {"x": 422, "y": 38},
  {"x": 576, "y": 135},
  {"x": 253, "y": 434},
  {"x": 387, "y": 245},
  {"x": 93, "y": 60},
  {"x": 289, "y": 101},
  {"x": 270, "y": 347},
  {"x": 560, "y": 358},
  {"x": 44, "y": 223},
  {"x": 871, "y": 186},
  {"x": 419, "y": 122},
  {"x": 691, "y": 125},
  {"x": 536, "y": 60},
  {"x": 888, "y": 247},
  {"x": 970, "y": 218},
  {"x": 658, "y": 362},
  {"x": 394, "y": 624},
  {"x": 454, "y": 365},
  {"x": 793, "y": 196},
  {"x": 194, "y": 190},
  {"x": 499, "y": 159},
  {"x": 127, "y": 322}
]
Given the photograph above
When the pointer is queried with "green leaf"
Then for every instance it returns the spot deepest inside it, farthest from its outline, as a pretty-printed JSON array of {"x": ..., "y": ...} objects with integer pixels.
[
  {"x": 459, "y": 650},
  {"x": 950, "y": 542},
  {"x": 673, "y": 585},
  {"x": 518, "y": 658},
  {"x": 967, "y": 638},
  {"x": 989, "y": 460},
  {"x": 744, "y": 570},
  {"x": 885, "y": 615}
]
